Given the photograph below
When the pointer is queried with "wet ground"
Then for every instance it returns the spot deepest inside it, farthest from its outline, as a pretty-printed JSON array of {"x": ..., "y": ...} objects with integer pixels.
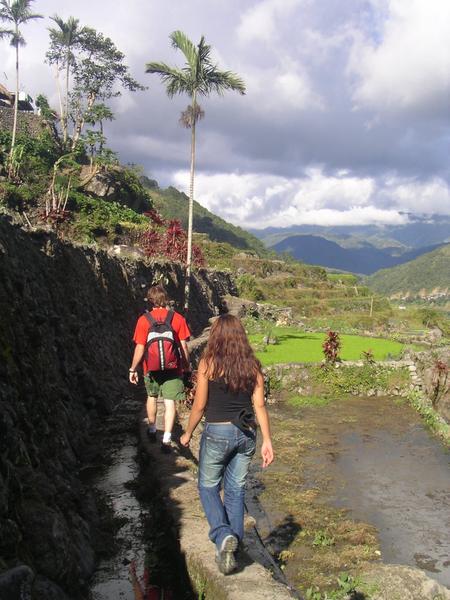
[
  {"x": 111, "y": 580},
  {"x": 351, "y": 479}
]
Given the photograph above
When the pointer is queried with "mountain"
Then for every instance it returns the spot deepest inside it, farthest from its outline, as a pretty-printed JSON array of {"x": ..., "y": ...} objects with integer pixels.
[
  {"x": 173, "y": 204},
  {"x": 365, "y": 259},
  {"x": 430, "y": 272},
  {"x": 418, "y": 232}
]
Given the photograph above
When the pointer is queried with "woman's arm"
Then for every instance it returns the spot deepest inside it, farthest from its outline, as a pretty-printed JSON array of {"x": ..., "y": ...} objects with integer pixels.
[
  {"x": 263, "y": 419},
  {"x": 198, "y": 408}
]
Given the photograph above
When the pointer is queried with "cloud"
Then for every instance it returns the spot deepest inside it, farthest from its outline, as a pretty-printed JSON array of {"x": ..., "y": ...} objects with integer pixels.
[
  {"x": 259, "y": 23},
  {"x": 409, "y": 68},
  {"x": 344, "y": 116},
  {"x": 259, "y": 201}
]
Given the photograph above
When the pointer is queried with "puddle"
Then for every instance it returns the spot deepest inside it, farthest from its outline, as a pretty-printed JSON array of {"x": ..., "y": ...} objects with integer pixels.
[
  {"x": 373, "y": 458},
  {"x": 111, "y": 580},
  {"x": 399, "y": 480}
]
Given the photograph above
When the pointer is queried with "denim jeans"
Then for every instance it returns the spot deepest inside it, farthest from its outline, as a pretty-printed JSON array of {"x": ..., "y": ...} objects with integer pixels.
[{"x": 225, "y": 455}]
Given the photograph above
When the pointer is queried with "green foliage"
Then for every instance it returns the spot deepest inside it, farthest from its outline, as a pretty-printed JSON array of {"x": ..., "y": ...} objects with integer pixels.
[
  {"x": 357, "y": 379},
  {"x": 173, "y": 204},
  {"x": 429, "y": 271},
  {"x": 248, "y": 288},
  {"x": 97, "y": 217},
  {"x": 304, "y": 401},
  {"x": 19, "y": 197},
  {"x": 323, "y": 539},
  {"x": 348, "y": 587}
]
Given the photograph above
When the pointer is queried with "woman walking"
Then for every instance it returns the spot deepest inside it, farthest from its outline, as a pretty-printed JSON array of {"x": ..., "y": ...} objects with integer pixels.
[{"x": 230, "y": 391}]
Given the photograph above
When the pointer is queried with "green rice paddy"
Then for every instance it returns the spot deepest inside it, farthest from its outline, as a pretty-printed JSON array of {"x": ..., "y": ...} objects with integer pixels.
[{"x": 297, "y": 346}]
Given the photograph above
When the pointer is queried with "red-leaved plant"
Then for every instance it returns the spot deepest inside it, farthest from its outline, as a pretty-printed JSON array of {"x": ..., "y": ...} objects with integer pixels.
[
  {"x": 331, "y": 347},
  {"x": 168, "y": 239}
]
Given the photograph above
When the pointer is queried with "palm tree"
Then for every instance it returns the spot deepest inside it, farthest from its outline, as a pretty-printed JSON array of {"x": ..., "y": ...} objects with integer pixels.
[
  {"x": 15, "y": 13},
  {"x": 63, "y": 39},
  {"x": 198, "y": 77}
]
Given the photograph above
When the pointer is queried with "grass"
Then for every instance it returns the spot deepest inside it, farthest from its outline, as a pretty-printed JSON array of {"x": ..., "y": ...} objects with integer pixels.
[{"x": 297, "y": 346}]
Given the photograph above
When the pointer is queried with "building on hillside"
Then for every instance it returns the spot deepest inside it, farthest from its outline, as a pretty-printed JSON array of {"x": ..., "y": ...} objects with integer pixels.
[{"x": 7, "y": 100}]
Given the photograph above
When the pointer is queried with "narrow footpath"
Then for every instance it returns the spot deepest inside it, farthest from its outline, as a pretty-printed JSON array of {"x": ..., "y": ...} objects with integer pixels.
[{"x": 176, "y": 474}]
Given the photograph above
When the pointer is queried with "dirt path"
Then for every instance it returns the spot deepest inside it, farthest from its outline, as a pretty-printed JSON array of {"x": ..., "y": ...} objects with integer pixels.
[{"x": 176, "y": 473}]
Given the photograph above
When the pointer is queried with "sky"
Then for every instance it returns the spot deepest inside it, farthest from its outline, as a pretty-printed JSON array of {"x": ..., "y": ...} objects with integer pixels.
[{"x": 346, "y": 119}]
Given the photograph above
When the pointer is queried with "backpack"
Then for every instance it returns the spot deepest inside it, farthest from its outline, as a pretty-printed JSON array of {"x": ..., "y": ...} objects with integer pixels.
[{"x": 162, "y": 350}]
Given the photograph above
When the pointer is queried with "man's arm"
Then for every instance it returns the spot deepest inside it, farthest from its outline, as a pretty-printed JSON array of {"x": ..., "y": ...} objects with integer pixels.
[{"x": 137, "y": 357}]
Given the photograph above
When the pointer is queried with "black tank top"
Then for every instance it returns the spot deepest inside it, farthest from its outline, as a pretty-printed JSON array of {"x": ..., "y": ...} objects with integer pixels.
[{"x": 224, "y": 405}]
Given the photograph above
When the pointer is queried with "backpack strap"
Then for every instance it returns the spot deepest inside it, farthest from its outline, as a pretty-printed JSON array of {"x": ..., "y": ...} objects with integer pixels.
[
  {"x": 169, "y": 317},
  {"x": 150, "y": 318}
]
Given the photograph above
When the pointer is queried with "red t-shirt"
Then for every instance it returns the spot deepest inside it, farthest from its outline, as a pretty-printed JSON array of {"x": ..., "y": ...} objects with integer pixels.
[{"x": 179, "y": 326}]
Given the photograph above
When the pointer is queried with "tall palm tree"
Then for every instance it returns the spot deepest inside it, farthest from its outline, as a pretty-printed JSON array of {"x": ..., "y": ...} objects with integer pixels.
[
  {"x": 63, "y": 39},
  {"x": 198, "y": 77},
  {"x": 15, "y": 13}
]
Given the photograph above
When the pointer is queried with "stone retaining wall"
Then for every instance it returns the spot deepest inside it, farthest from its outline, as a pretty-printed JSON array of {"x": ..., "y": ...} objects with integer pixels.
[
  {"x": 67, "y": 316},
  {"x": 27, "y": 122}
]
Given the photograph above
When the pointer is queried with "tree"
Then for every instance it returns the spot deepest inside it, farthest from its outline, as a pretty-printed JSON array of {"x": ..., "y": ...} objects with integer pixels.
[
  {"x": 99, "y": 68},
  {"x": 97, "y": 114},
  {"x": 15, "y": 13},
  {"x": 63, "y": 40},
  {"x": 198, "y": 77}
]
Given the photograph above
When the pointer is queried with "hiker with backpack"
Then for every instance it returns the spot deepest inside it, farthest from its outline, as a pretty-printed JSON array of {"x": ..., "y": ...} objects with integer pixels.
[
  {"x": 161, "y": 337},
  {"x": 230, "y": 394}
]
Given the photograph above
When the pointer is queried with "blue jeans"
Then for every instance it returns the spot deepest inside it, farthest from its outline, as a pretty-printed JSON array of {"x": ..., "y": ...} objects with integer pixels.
[{"x": 225, "y": 455}]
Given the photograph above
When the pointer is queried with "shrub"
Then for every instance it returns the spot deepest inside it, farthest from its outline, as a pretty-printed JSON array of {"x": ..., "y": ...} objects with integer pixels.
[{"x": 331, "y": 347}]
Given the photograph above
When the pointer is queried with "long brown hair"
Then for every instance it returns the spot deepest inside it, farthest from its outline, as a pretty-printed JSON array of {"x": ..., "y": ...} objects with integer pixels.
[{"x": 228, "y": 354}]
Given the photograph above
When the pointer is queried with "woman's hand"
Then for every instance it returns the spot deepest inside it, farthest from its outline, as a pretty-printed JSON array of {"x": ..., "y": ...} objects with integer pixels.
[
  {"x": 266, "y": 453},
  {"x": 185, "y": 439}
]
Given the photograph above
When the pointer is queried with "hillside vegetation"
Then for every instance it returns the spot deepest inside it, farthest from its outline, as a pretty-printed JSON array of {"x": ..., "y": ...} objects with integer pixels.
[
  {"x": 430, "y": 272},
  {"x": 172, "y": 204}
]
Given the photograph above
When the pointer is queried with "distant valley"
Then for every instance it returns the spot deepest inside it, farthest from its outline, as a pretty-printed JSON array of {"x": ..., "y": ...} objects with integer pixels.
[{"x": 360, "y": 249}]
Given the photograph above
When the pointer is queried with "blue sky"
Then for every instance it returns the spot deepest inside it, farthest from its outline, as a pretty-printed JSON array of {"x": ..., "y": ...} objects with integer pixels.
[{"x": 345, "y": 120}]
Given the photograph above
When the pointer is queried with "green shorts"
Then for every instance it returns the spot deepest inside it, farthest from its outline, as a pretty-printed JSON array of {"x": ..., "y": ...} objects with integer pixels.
[{"x": 165, "y": 385}]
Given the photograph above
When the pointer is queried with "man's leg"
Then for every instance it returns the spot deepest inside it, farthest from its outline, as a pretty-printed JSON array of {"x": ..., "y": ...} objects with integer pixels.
[
  {"x": 152, "y": 388},
  {"x": 172, "y": 390},
  {"x": 169, "y": 419},
  {"x": 151, "y": 413}
]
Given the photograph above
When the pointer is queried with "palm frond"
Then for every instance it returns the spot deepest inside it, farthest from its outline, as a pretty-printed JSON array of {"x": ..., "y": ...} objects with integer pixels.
[
  {"x": 176, "y": 80},
  {"x": 181, "y": 42},
  {"x": 220, "y": 81},
  {"x": 6, "y": 33}
]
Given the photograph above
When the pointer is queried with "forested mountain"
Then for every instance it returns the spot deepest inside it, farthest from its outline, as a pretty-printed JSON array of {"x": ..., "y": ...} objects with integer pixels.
[
  {"x": 419, "y": 231},
  {"x": 366, "y": 259},
  {"x": 429, "y": 272}
]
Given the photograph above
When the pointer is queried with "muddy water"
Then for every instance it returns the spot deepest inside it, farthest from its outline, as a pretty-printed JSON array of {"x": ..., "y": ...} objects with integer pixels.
[
  {"x": 374, "y": 457},
  {"x": 111, "y": 580}
]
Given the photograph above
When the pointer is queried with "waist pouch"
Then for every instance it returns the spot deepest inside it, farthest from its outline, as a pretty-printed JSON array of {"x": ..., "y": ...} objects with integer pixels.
[{"x": 245, "y": 421}]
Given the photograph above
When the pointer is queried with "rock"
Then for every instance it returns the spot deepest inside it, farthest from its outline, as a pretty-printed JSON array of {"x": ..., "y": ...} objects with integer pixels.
[
  {"x": 398, "y": 582},
  {"x": 16, "y": 583}
]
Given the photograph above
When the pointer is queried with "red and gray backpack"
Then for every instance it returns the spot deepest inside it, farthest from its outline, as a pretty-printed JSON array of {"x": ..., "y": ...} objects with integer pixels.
[{"x": 162, "y": 350}]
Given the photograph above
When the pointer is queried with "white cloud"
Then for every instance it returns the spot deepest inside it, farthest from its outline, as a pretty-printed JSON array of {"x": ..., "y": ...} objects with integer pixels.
[
  {"x": 410, "y": 67},
  {"x": 259, "y": 23},
  {"x": 260, "y": 201}
]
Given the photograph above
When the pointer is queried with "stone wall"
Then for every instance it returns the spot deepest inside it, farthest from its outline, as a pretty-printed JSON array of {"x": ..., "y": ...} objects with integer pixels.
[
  {"x": 27, "y": 122},
  {"x": 66, "y": 319}
]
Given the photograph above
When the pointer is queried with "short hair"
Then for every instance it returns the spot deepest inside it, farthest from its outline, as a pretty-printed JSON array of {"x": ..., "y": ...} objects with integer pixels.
[{"x": 157, "y": 296}]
